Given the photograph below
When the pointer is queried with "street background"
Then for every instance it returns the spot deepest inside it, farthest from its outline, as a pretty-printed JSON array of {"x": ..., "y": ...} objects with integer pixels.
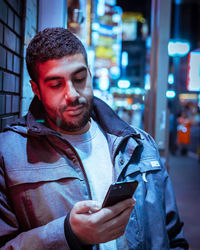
[{"x": 185, "y": 176}]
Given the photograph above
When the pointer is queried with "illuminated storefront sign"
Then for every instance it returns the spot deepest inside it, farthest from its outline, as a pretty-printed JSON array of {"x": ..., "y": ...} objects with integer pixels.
[
  {"x": 193, "y": 73},
  {"x": 106, "y": 35},
  {"x": 178, "y": 48}
]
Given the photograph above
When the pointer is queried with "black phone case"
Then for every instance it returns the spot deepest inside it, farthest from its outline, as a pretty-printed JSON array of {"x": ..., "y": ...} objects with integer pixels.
[{"x": 119, "y": 191}]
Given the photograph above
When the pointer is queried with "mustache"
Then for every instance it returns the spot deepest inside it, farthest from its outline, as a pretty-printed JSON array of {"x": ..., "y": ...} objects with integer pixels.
[{"x": 80, "y": 101}]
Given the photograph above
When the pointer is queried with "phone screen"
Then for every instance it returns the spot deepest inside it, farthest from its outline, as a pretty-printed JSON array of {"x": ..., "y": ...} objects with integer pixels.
[{"x": 119, "y": 191}]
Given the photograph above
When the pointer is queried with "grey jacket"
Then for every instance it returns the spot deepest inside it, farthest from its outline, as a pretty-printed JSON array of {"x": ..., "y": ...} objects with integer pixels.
[{"x": 42, "y": 177}]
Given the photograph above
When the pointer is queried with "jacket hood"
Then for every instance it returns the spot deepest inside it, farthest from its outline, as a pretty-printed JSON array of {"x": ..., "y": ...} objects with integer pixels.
[{"x": 34, "y": 122}]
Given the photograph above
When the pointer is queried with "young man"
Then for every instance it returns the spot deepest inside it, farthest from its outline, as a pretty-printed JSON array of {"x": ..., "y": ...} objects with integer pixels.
[{"x": 58, "y": 161}]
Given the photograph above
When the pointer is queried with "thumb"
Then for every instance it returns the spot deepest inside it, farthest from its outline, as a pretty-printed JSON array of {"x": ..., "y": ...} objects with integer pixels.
[{"x": 87, "y": 206}]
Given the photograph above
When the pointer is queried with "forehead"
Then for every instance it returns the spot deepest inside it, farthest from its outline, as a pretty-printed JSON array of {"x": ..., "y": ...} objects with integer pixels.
[{"x": 65, "y": 65}]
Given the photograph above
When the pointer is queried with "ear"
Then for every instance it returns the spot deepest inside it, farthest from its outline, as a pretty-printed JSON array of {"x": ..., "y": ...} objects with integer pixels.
[{"x": 35, "y": 89}]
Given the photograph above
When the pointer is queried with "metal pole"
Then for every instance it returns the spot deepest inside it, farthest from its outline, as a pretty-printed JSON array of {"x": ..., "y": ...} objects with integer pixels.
[
  {"x": 52, "y": 14},
  {"x": 156, "y": 106}
]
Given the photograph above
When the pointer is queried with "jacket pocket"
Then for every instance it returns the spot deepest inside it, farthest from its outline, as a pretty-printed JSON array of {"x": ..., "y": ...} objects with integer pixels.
[
  {"x": 149, "y": 175},
  {"x": 144, "y": 166},
  {"x": 41, "y": 194},
  {"x": 34, "y": 173}
]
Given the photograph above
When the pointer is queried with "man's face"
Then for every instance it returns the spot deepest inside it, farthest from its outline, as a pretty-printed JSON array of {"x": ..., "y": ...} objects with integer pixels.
[{"x": 65, "y": 89}]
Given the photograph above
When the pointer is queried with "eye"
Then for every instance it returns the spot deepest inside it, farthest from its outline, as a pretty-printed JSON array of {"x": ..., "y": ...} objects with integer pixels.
[
  {"x": 56, "y": 85},
  {"x": 79, "y": 80},
  {"x": 80, "y": 77}
]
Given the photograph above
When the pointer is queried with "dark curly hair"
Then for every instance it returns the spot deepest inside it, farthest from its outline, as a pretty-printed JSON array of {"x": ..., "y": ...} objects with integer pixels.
[{"x": 51, "y": 43}]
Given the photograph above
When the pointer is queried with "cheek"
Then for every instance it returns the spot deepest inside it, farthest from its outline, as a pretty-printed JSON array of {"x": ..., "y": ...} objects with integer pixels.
[
  {"x": 88, "y": 91},
  {"x": 51, "y": 102}
]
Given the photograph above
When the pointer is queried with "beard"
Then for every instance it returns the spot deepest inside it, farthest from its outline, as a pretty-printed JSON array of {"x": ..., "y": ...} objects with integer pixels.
[{"x": 73, "y": 124}]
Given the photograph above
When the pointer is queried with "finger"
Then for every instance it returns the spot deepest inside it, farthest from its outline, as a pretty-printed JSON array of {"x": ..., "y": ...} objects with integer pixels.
[
  {"x": 111, "y": 212},
  {"x": 111, "y": 237},
  {"x": 86, "y": 206},
  {"x": 115, "y": 230},
  {"x": 119, "y": 221},
  {"x": 114, "y": 234},
  {"x": 122, "y": 205},
  {"x": 117, "y": 235}
]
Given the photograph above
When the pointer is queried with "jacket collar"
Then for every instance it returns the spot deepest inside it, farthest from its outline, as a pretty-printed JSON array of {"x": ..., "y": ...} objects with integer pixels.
[
  {"x": 101, "y": 113},
  {"x": 110, "y": 121}
]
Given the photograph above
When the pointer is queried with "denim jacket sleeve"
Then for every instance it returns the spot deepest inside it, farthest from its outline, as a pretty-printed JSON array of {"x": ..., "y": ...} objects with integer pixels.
[
  {"x": 49, "y": 236},
  {"x": 174, "y": 224}
]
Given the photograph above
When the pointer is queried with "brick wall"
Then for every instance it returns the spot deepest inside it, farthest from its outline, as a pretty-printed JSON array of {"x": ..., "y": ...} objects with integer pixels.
[
  {"x": 11, "y": 35},
  {"x": 18, "y": 24}
]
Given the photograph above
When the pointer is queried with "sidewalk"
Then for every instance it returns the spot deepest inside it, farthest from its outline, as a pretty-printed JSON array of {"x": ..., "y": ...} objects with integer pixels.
[{"x": 185, "y": 175}]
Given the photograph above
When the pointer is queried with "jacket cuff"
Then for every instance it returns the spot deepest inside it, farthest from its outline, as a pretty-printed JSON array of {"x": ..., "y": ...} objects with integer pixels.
[{"x": 71, "y": 238}]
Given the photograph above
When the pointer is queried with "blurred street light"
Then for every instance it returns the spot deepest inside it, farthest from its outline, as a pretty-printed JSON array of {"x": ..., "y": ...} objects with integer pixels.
[
  {"x": 178, "y": 48},
  {"x": 171, "y": 79},
  {"x": 123, "y": 84},
  {"x": 170, "y": 93}
]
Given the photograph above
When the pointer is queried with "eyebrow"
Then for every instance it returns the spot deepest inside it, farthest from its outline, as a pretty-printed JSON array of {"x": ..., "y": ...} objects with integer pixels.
[
  {"x": 51, "y": 78},
  {"x": 83, "y": 68}
]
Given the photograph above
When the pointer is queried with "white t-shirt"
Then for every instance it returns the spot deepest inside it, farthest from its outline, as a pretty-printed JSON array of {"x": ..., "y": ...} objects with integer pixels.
[{"x": 93, "y": 150}]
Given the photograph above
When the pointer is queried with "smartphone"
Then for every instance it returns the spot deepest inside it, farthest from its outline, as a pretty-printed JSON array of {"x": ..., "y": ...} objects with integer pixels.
[{"x": 119, "y": 191}]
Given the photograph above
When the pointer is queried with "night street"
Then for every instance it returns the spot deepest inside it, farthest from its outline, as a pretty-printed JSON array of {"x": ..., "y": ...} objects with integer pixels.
[{"x": 185, "y": 175}]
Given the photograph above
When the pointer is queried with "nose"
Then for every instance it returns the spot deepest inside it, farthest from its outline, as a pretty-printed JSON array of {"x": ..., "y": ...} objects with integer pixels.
[{"x": 71, "y": 93}]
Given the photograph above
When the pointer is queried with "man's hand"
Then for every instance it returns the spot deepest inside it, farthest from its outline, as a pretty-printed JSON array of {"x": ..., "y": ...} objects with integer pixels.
[{"x": 93, "y": 224}]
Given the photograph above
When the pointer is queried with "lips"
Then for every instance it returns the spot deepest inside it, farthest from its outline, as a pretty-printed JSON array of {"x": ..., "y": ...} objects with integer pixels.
[{"x": 74, "y": 111}]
